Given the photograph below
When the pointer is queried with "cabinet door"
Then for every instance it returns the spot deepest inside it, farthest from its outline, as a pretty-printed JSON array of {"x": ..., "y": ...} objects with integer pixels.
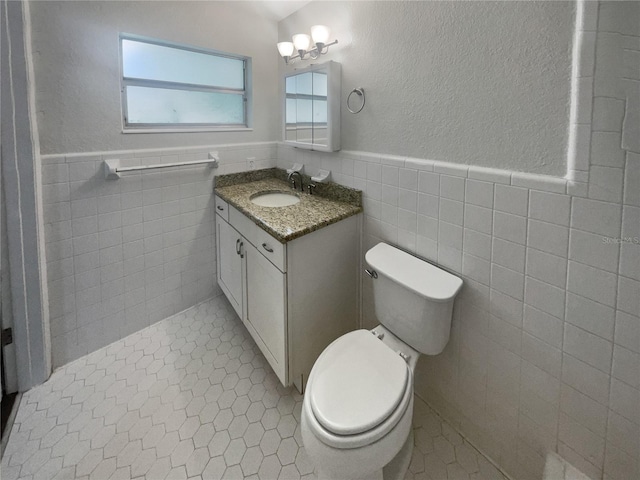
[
  {"x": 266, "y": 309},
  {"x": 229, "y": 263}
]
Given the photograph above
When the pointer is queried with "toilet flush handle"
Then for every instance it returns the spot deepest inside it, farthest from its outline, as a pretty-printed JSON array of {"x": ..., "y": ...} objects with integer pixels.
[{"x": 371, "y": 273}]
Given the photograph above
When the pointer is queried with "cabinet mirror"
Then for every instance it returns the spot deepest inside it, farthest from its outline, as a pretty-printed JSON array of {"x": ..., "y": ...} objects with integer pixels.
[{"x": 312, "y": 107}]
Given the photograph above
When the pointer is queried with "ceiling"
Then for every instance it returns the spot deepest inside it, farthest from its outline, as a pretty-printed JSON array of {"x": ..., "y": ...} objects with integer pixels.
[{"x": 274, "y": 9}]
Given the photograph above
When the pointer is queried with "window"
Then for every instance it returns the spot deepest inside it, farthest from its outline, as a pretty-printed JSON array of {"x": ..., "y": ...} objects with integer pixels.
[{"x": 169, "y": 87}]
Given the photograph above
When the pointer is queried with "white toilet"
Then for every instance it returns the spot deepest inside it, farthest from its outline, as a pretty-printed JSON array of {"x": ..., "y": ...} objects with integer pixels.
[{"x": 358, "y": 403}]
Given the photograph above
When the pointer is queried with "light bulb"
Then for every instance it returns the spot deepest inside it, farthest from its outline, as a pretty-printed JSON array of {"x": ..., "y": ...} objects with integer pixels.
[
  {"x": 285, "y": 49},
  {"x": 302, "y": 41},
  {"x": 320, "y": 34}
]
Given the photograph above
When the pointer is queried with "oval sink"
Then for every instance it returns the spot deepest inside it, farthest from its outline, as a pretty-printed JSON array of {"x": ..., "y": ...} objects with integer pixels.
[{"x": 275, "y": 199}]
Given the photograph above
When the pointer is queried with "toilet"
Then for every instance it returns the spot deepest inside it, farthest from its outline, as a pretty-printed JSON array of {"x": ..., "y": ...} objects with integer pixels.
[{"x": 358, "y": 403}]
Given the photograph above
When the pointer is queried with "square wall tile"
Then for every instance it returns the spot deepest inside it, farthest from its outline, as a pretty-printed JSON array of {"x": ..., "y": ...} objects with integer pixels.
[
  {"x": 479, "y": 219},
  {"x": 507, "y": 281},
  {"x": 479, "y": 193},
  {"x": 591, "y": 316},
  {"x": 510, "y": 227},
  {"x": 584, "y": 410},
  {"x": 582, "y": 440},
  {"x": 452, "y": 187},
  {"x": 605, "y": 183},
  {"x": 632, "y": 180},
  {"x": 408, "y": 179},
  {"x": 606, "y": 149},
  {"x": 627, "y": 331},
  {"x": 511, "y": 199},
  {"x": 545, "y": 297},
  {"x": 629, "y": 295},
  {"x": 427, "y": 183},
  {"x": 586, "y": 379},
  {"x": 546, "y": 267},
  {"x": 624, "y": 400},
  {"x": 476, "y": 243},
  {"x": 593, "y": 283},
  {"x": 608, "y": 114},
  {"x": 593, "y": 250},
  {"x": 508, "y": 254},
  {"x": 476, "y": 268},
  {"x": 588, "y": 347},
  {"x": 549, "y": 207},
  {"x": 626, "y": 366},
  {"x": 542, "y": 355},
  {"x": 596, "y": 217},
  {"x": 543, "y": 326}
]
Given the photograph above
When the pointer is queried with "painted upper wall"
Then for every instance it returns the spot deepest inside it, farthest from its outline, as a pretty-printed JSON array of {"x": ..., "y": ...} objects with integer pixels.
[
  {"x": 75, "y": 48},
  {"x": 482, "y": 83}
]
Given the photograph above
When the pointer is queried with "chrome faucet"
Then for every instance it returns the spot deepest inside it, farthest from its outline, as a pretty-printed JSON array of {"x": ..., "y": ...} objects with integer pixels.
[{"x": 293, "y": 180}]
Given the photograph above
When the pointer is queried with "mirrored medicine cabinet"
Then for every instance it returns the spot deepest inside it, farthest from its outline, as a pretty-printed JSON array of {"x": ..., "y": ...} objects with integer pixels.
[{"x": 312, "y": 107}]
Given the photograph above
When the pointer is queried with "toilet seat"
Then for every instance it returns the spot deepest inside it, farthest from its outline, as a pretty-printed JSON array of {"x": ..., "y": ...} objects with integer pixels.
[{"x": 358, "y": 390}]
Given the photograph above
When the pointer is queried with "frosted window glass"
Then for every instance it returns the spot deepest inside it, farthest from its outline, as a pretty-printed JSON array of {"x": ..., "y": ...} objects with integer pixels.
[
  {"x": 158, "y": 62},
  {"x": 174, "y": 85},
  {"x": 165, "y": 106}
]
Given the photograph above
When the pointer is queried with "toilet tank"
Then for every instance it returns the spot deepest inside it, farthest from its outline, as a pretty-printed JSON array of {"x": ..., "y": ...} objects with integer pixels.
[{"x": 413, "y": 298}]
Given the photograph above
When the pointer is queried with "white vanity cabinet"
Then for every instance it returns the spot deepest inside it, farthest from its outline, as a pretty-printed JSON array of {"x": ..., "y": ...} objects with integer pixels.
[
  {"x": 266, "y": 309},
  {"x": 229, "y": 266},
  {"x": 293, "y": 298}
]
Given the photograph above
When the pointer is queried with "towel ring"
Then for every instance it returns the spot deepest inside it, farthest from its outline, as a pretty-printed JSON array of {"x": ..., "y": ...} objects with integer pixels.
[{"x": 360, "y": 92}]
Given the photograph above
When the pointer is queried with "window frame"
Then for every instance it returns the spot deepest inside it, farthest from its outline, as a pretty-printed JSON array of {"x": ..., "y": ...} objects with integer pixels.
[{"x": 183, "y": 127}]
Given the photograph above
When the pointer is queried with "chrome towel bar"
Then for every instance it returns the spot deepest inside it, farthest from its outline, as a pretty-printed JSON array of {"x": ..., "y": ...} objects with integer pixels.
[{"x": 112, "y": 168}]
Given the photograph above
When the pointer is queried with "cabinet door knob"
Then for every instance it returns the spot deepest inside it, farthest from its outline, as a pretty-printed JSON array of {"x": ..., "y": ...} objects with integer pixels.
[
  {"x": 237, "y": 247},
  {"x": 220, "y": 208},
  {"x": 267, "y": 248}
]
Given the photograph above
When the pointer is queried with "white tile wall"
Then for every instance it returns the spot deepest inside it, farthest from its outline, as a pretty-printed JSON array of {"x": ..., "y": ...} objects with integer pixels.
[
  {"x": 122, "y": 254},
  {"x": 545, "y": 344},
  {"x": 533, "y": 357}
]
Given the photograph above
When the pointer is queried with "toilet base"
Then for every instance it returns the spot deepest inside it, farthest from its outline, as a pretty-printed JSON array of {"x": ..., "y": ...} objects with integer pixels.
[
  {"x": 394, "y": 470},
  {"x": 397, "y": 468}
]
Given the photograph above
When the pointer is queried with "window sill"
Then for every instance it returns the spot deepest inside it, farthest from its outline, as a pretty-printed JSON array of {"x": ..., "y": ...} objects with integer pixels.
[{"x": 186, "y": 130}]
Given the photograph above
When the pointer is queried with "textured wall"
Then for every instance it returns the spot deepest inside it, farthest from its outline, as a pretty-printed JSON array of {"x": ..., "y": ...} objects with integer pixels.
[
  {"x": 479, "y": 83},
  {"x": 122, "y": 254},
  {"x": 75, "y": 48},
  {"x": 544, "y": 354}
]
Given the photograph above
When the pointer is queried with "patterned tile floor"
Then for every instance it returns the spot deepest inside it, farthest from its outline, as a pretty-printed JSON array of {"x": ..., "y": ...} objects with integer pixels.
[{"x": 189, "y": 397}]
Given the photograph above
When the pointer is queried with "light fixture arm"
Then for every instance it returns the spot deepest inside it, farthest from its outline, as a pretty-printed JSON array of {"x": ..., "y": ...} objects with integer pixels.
[{"x": 315, "y": 52}]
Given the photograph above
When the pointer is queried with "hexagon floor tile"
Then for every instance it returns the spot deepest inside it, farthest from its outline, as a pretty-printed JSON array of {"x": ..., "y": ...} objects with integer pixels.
[{"x": 190, "y": 397}]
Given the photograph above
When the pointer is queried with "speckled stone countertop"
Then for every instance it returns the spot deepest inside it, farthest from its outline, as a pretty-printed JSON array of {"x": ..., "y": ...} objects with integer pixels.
[{"x": 287, "y": 223}]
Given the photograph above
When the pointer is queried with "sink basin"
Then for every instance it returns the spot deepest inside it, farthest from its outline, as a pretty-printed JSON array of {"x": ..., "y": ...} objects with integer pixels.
[{"x": 275, "y": 199}]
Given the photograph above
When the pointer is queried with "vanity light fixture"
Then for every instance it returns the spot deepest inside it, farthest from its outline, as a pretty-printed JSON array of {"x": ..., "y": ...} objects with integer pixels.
[{"x": 302, "y": 42}]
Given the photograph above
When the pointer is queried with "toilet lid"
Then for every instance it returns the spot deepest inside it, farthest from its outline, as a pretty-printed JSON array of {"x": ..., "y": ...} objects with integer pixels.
[{"x": 358, "y": 383}]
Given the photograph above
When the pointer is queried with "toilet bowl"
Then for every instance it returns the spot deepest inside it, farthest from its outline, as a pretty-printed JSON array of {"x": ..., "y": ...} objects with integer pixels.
[{"x": 358, "y": 404}]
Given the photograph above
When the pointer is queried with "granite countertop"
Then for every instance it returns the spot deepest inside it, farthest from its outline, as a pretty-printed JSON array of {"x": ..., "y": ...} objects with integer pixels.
[{"x": 287, "y": 223}]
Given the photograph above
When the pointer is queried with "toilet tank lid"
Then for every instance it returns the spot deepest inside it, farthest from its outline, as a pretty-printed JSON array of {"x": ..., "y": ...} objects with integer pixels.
[{"x": 413, "y": 273}]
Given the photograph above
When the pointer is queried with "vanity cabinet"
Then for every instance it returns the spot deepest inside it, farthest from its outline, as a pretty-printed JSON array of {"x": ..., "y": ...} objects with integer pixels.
[
  {"x": 229, "y": 266},
  {"x": 293, "y": 298},
  {"x": 265, "y": 317}
]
